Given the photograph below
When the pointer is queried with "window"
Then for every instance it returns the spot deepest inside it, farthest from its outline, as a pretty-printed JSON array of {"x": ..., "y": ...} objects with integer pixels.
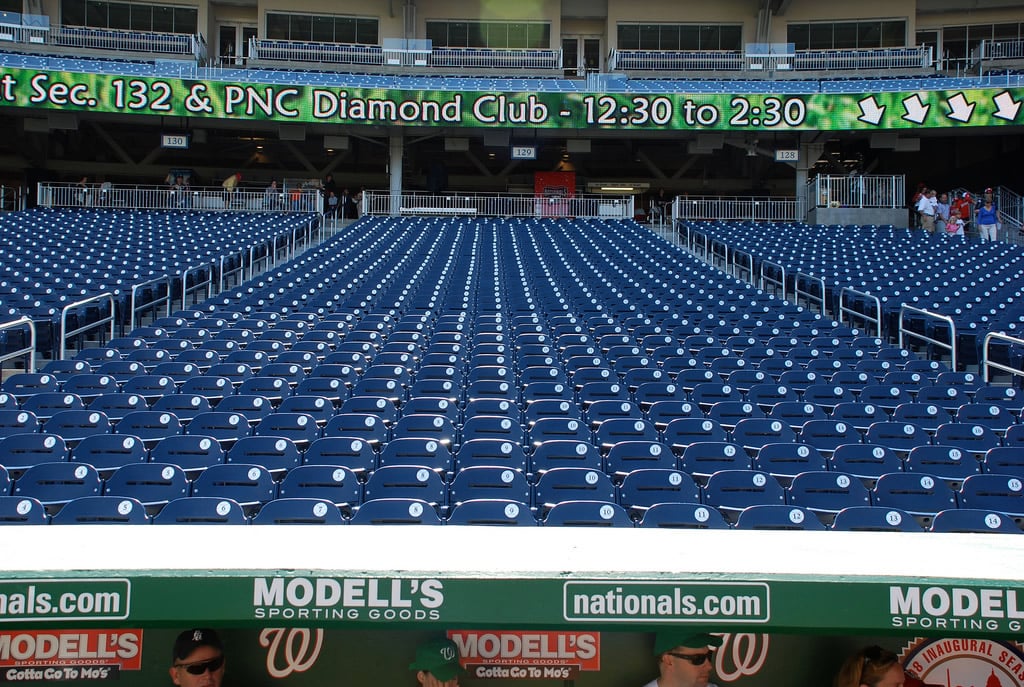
[
  {"x": 680, "y": 36},
  {"x": 104, "y": 14},
  {"x": 322, "y": 28},
  {"x": 889, "y": 33},
  {"x": 489, "y": 34}
]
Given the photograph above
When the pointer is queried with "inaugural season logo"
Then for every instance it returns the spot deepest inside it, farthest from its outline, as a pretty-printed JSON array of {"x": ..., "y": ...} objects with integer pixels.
[
  {"x": 973, "y": 662},
  {"x": 300, "y": 646},
  {"x": 353, "y": 598}
]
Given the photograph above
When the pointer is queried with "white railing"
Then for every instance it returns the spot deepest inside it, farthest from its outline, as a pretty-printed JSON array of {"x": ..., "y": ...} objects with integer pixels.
[
  {"x": 266, "y": 49},
  {"x": 737, "y": 208},
  {"x": 921, "y": 57},
  {"x": 492, "y": 58},
  {"x": 125, "y": 41},
  {"x": 11, "y": 198},
  {"x": 1000, "y": 50},
  {"x": 676, "y": 60},
  {"x": 62, "y": 195},
  {"x": 495, "y": 205},
  {"x": 862, "y": 191},
  {"x": 988, "y": 365},
  {"x": 27, "y": 352}
]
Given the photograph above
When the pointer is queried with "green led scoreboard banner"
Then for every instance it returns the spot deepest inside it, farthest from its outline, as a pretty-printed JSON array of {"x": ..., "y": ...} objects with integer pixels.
[
  {"x": 79, "y": 92},
  {"x": 973, "y": 608}
]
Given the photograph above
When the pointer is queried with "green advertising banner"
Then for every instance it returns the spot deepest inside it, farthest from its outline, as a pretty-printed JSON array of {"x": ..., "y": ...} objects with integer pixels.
[
  {"x": 316, "y": 600},
  {"x": 79, "y": 92}
]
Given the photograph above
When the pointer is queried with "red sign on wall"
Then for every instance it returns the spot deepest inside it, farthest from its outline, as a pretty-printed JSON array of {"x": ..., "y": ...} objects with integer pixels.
[
  {"x": 43, "y": 656},
  {"x": 503, "y": 654}
]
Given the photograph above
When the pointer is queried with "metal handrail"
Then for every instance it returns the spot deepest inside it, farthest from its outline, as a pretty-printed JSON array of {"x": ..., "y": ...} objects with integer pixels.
[
  {"x": 903, "y": 332},
  {"x": 764, "y": 278},
  {"x": 745, "y": 267},
  {"x": 29, "y": 352},
  {"x": 223, "y": 273},
  {"x": 64, "y": 334},
  {"x": 986, "y": 363},
  {"x": 843, "y": 309},
  {"x": 206, "y": 283},
  {"x": 809, "y": 296},
  {"x": 723, "y": 253},
  {"x": 135, "y": 307}
]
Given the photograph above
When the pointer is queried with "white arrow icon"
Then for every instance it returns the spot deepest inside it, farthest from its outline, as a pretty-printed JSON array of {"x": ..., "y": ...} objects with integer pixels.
[
  {"x": 917, "y": 111},
  {"x": 959, "y": 109},
  {"x": 871, "y": 111},
  {"x": 1008, "y": 108}
]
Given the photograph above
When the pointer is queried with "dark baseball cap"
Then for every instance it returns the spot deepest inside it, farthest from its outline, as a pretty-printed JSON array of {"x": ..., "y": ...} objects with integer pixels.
[
  {"x": 670, "y": 639},
  {"x": 439, "y": 657},
  {"x": 190, "y": 640}
]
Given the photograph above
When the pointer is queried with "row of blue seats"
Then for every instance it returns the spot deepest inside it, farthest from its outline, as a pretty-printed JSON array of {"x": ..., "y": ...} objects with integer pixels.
[
  {"x": 729, "y": 491},
  {"x": 359, "y": 442},
  {"x": 93, "y": 510}
]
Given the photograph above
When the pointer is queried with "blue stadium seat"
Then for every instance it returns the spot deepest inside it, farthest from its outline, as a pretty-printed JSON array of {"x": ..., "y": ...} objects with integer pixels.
[
  {"x": 202, "y": 510},
  {"x": 560, "y": 453},
  {"x": 827, "y": 493},
  {"x": 101, "y": 510},
  {"x": 107, "y": 452},
  {"x": 20, "y": 510},
  {"x": 489, "y": 482},
  {"x": 54, "y": 484},
  {"x": 974, "y": 521},
  {"x": 777, "y": 517},
  {"x": 247, "y": 485},
  {"x": 491, "y": 512},
  {"x": 21, "y": 451},
  {"x": 918, "y": 494},
  {"x": 406, "y": 482},
  {"x": 152, "y": 484},
  {"x": 275, "y": 454},
  {"x": 1002, "y": 493},
  {"x": 396, "y": 511},
  {"x": 299, "y": 511},
  {"x": 730, "y": 491},
  {"x": 643, "y": 488},
  {"x": 784, "y": 461},
  {"x": 875, "y": 519},
  {"x": 584, "y": 513},
  {"x": 571, "y": 484},
  {"x": 683, "y": 516}
]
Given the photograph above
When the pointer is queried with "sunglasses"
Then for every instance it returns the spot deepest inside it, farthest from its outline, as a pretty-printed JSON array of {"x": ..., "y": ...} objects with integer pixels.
[
  {"x": 200, "y": 667},
  {"x": 695, "y": 659}
]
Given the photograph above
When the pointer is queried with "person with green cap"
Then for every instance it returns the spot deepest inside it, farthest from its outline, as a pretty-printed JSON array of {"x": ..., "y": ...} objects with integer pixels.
[
  {"x": 684, "y": 658},
  {"x": 437, "y": 664}
]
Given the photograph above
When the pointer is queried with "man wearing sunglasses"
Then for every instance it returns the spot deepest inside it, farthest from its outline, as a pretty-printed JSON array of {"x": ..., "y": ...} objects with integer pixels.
[
  {"x": 684, "y": 658},
  {"x": 198, "y": 659}
]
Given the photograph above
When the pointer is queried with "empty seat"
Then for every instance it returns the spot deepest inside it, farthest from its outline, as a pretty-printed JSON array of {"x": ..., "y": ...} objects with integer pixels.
[
  {"x": 202, "y": 510},
  {"x": 733, "y": 490},
  {"x": 406, "y": 482},
  {"x": 107, "y": 452},
  {"x": 827, "y": 492},
  {"x": 489, "y": 482},
  {"x": 572, "y": 484},
  {"x": 974, "y": 521},
  {"x": 20, "y": 510},
  {"x": 875, "y": 519},
  {"x": 21, "y": 451},
  {"x": 558, "y": 453},
  {"x": 274, "y": 454},
  {"x": 101, "y": 510},
  {"x": 784, "y": 461},
  {"x": 396, "y": 511},
  {"x": 332, "y": 483},
  {"x": 777, "y": 517},
  {"x": 491, "y": 512},
  {"x": 54, "y": 484},
  {"x": 683, "y": 516},
  {"x": 643, "y": 488},
  {"x": 247, "y": 485},
  {"x": 587, "y": 513},
  {"x": 920, "y": 495},
  {"x": 152, "y": 484},
  {"x": 1002, "y": 493}
]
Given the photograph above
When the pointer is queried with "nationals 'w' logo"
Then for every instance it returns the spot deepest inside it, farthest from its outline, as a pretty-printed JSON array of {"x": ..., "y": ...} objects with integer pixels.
[
  {"x": 300, "y": 646},
  {"x": 741, "y": 655}
]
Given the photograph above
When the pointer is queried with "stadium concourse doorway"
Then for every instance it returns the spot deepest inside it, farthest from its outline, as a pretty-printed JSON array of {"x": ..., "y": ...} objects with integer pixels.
[{"x": 536, "y": 605}]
